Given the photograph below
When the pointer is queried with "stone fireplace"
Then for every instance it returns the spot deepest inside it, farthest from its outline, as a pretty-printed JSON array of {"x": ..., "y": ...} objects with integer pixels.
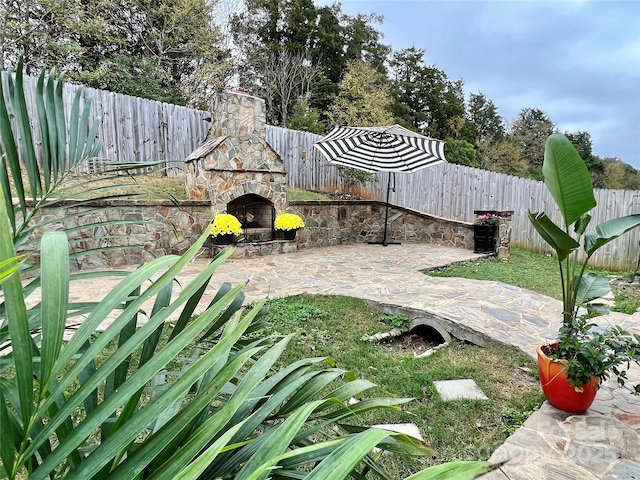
[
  {"x": 256, "y": 214},
  {"x": 237, "y": 170}
]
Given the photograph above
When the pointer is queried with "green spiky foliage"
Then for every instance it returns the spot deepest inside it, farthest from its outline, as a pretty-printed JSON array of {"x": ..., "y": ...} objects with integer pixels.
[
  {"x": 68, "y": 141},
  {"x": 112, "y": 405},
  {"x": 587, "y": 351},
  {"x": 174, "y": 386}
]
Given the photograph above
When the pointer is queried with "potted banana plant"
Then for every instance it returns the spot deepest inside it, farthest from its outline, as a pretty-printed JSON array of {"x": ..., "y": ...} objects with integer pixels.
[{"x": 572, "y": 368}]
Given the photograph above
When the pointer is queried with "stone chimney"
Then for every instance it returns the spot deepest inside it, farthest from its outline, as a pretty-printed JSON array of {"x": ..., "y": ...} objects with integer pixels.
[
  {"x": 239, "y": 114},
  {"x": 235, "y": 168}
]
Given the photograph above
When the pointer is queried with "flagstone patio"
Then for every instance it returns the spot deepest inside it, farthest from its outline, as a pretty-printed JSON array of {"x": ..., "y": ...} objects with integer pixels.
[{"x": 604, "y": 443}]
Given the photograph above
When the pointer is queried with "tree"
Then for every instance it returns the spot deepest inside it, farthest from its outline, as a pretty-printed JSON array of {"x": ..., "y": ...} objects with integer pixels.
[
  {"x": 165, "y": 49},
  {"x": 408, "y": 88},
  {"x": 530, "y": 132},
  {"x": 325, "y": 36},
  {"x": 327, "y": 53},
  {"x": 460, "y": 152},
  {"x": 362, "y": 41},
  {"x": 263, "y": 30},
  {"x": 363, "y": 101},
  {"x": 128, "y": 75},
  {"x": 43, "y": 32},
  {"x": 502, "y": 156},
  {"x": 482, "y": 116},
  {"x": 180, "y": 37},
  {"x": 286, "y": 79},
  {"x": 276, "y": 38},
  {"x": 620, "y": 175},
  {"x": 305, "y": 119},
  {"x": 425, "y": 100}
]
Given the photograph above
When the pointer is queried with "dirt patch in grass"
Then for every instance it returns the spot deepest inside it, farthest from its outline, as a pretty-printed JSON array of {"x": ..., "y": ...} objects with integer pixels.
[{"x": 411, "y": 344}]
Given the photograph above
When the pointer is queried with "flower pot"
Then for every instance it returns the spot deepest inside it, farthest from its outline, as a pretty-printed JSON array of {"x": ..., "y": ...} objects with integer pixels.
[
  {"x": 557, "y": 389},
  {"x": 484, "y": 238},
  {"x": 289, "y": 234},
  {"x": 226, "y": 239}
]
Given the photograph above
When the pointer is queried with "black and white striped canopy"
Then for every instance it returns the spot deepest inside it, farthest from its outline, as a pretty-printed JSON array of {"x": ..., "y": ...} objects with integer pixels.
[{"x": 381, "y": 149}]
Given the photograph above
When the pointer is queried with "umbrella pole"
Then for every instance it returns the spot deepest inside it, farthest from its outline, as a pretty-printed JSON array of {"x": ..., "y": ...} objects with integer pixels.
[
  {"x": 386, "y": 218},
  {"x": 386, "y": 212}
]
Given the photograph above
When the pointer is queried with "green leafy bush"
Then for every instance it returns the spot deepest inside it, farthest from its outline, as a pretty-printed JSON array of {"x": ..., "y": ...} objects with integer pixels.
[{"x": 397, "y": 320}]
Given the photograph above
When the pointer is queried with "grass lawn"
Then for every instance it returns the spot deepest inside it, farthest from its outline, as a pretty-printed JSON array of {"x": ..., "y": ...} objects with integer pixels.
[
  {"x": 151, "y": 186},
  {"x": 296, "y": 194},
  {"x": 538, "y": 273},
  {"x": 465, "y": 429}
]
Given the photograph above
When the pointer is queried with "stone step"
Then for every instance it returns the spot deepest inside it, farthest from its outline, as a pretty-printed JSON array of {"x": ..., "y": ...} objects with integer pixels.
[{"x": 258, "y": 249}]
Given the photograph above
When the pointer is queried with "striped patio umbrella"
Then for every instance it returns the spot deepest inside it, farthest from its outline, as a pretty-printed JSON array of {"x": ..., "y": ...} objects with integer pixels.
[{"x": 381, "y": 149}]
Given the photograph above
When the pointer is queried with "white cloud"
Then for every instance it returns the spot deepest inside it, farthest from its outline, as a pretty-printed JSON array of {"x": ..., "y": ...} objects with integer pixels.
[{"x": 577, "y": 60}]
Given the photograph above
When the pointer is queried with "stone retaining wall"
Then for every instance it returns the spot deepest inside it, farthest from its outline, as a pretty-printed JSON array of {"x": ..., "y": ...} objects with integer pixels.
[
  {"x": 362, "y": 221},
  {"x": 164, "y": 228}
]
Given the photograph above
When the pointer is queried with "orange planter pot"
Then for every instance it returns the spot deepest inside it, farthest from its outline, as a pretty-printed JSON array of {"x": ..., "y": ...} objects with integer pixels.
[{"x": 557, "y": 389}]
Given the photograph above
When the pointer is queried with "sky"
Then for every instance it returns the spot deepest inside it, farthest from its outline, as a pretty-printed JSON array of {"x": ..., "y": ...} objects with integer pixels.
[{"x": 576, "y": 60}]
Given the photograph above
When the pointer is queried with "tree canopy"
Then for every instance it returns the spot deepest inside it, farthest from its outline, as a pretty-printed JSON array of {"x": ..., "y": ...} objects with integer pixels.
[{"x": 312, "y": 65}]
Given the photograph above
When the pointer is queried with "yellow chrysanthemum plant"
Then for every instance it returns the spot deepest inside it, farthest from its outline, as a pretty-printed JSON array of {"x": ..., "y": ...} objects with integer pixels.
[
  {"x": 225, "y": 224},
  {"x": 288, "y": 221}
]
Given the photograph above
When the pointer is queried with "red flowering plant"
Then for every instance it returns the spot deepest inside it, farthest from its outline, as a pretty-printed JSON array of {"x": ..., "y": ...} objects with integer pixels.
[{"x": 487, "y": 219}]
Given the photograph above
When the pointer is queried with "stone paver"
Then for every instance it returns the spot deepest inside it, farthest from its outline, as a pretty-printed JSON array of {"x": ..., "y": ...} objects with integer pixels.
[
  {"x": 552, "y": 444},
  {"x": 460, "y": 389}
]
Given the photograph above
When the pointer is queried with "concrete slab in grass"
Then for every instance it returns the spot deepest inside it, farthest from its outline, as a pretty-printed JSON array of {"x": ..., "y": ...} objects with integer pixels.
[
  {"x": 410, "y": 429},
  {"x": 465, "y": 389}
]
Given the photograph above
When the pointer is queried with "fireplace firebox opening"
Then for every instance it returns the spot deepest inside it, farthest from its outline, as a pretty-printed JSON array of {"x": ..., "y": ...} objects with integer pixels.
[{"x": 256, "y": 214}]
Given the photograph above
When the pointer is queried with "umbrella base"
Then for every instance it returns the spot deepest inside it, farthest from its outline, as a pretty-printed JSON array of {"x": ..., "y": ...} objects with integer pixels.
[{"x": 384, "y": 243}]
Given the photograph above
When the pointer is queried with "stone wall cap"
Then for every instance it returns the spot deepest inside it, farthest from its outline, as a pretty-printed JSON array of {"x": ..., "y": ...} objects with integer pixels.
[
  {"x": 125, "y": 202},
  {"x": 242, "y": 93}
]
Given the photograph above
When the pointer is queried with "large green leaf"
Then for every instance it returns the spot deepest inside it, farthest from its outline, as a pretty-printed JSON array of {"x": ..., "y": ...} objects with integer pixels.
[
  {"x": 194, "y": 469},
  {"x": 9, "y": 150},
  {"x": 23, "y": 127},
  {"x": 590, "y": 287},
  {"x": 281, "y": 437},
  {"x": 557, "y": 238},
  {"x": 137, "y": 424},
  {"x": 55, "y": 299},
  {"x": 347, "y": 456},
  {"x": 137, "y": 380},
  {"x": 567, "y": 178},
  {"x": 608, "y": 231},
  {"x": 18, "y": 324},
  {"x": 10, "y": 266},
  {"x": 98, "y": 315}
]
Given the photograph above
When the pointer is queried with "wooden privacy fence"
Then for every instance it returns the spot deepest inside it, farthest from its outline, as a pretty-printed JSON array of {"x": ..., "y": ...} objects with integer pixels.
[
  {"x": 454, "y": 192},
  {"x": 139, "y": 130},
  {"x": 134, "y": 129}
]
